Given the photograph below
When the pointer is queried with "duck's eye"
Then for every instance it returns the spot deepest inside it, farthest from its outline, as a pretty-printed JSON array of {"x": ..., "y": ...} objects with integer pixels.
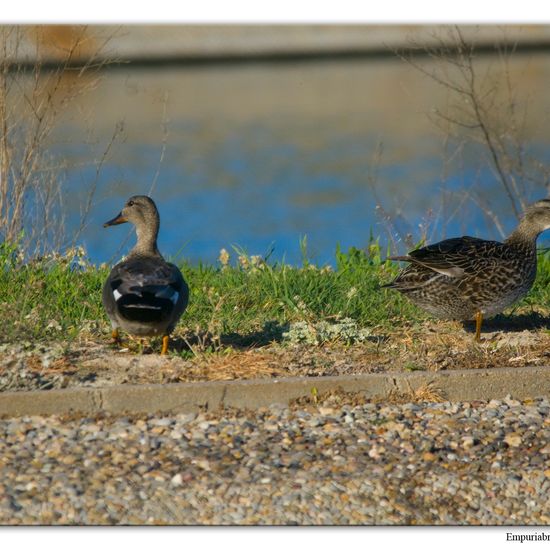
[{"x": 130, "y": 203}]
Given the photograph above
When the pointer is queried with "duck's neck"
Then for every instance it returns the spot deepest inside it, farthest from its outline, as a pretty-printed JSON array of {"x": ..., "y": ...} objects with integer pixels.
[
  {"x": 146, "y": 244},
  {"x": 525, "y": 234}
]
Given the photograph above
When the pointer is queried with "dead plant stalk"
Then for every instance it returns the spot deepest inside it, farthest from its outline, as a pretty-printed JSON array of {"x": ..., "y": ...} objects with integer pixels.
[{"x": 33, "y": 99}]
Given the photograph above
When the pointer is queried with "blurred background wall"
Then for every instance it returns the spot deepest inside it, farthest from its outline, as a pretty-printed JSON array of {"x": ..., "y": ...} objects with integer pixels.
[{"x": 202, "y": 42}]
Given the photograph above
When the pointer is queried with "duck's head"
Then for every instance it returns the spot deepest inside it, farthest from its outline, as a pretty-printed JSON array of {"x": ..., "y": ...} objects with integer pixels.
[
  {"x": 537, "y": 216},
  {"x": 139, "y": 210},
  {"x": 142, "y": 212}
]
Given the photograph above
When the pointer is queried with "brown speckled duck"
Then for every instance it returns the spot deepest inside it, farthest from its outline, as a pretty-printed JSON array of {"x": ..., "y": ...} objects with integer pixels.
[
  {"x": 144, "y": 295},
  {"x": 467, "y": 278}
]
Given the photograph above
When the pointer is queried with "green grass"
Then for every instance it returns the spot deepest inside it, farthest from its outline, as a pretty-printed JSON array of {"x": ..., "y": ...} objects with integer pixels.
[{"x": 55, "y": 298}]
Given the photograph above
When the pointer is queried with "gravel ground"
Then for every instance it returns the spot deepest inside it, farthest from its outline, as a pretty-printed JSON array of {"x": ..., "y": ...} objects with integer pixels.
[{"x": 439, "y": 463}]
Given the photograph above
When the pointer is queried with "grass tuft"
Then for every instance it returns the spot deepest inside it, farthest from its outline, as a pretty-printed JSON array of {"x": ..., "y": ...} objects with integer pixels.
[{"x": 57, "y": 297}]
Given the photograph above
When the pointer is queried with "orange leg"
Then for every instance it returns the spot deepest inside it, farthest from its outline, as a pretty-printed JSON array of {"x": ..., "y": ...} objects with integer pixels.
[
  {"x": 165, "y": 340},
  {"x": 116, "y": 336},
  {"x": 479, "y": 320}
]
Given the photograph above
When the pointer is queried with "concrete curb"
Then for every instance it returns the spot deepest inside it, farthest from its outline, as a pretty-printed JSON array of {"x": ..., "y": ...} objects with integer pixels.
[{"x": 462, "y": 385}]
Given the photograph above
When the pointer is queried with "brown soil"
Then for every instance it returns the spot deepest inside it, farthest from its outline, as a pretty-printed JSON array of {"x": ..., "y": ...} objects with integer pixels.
[{"x": 432, "y": 346}]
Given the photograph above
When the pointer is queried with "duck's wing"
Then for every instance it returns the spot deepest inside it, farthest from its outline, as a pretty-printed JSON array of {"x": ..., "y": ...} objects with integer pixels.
[
  {"x": 452, "y": 260},
  {"x": 147, "y": 275},
  {"x": 457, "y": 257}
]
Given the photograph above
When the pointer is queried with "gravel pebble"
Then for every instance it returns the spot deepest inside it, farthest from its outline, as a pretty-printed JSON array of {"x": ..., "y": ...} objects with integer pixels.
[{"x": 479, "y": 463}]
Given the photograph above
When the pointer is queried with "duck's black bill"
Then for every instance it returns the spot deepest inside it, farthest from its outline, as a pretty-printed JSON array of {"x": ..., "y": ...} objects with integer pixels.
[{"x": 118, "y": 219}]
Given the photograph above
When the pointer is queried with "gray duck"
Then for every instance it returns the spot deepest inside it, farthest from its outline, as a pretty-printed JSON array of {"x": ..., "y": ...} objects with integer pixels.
[
  {"x": 144, "y": 295},
  {"x": 466, "y": 278}
]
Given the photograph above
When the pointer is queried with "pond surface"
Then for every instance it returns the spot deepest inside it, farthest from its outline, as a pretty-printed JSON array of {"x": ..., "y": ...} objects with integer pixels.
[{"x": 260, "y": 155}]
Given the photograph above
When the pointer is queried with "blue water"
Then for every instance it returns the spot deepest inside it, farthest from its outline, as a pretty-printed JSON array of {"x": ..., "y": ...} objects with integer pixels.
[
  {"x": 273, "y": 197},
  {"x": 263, "y": 181}
]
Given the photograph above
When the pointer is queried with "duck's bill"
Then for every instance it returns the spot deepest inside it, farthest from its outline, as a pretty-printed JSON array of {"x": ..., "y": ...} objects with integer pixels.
[{"x": 118, "y": 219}]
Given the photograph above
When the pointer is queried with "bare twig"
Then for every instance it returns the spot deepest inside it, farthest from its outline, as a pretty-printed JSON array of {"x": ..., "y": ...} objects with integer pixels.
[
  {"x": 85, "y": 212},
  {"x": 484, "y": 107},
  {"x": 30, "y": 106}
]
